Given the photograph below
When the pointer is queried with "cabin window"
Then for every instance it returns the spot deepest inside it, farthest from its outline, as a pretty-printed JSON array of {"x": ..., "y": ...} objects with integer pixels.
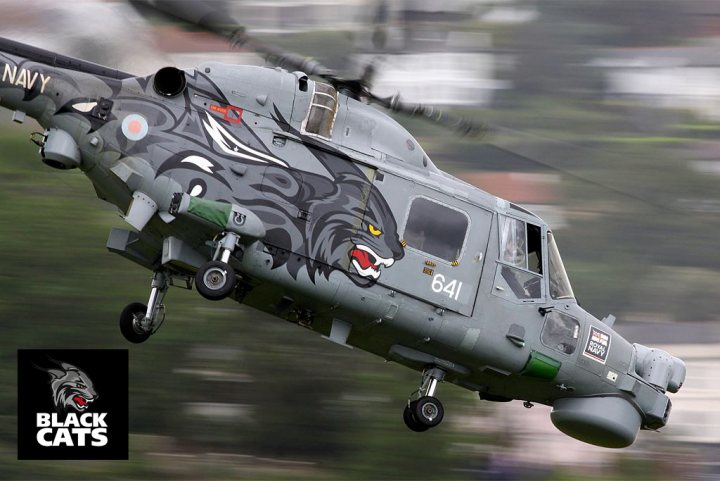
[
  {"x": 560, "y": 332},
  {"x": 321, "y": 115},
  {"x": 436, "y": 229}
]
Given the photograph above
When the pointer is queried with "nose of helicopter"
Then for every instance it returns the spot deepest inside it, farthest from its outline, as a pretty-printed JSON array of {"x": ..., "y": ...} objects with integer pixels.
[{"x": 613, "y": 421}]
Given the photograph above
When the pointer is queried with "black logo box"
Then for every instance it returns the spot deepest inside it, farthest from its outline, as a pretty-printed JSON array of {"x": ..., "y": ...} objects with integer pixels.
[
  {"x": 604, "y": 347},
  {"x": 108, "y": 370}
]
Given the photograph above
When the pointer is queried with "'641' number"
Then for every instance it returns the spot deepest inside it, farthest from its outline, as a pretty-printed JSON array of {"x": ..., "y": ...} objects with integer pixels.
[{"x": 451, "y": 287}]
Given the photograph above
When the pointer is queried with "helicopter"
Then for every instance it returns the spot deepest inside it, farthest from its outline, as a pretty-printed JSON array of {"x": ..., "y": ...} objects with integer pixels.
[{"x": 286, "y": 190}]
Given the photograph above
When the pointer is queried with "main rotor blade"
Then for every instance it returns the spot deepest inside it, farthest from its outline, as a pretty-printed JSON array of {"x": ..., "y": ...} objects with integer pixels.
[
  {"x": 214, "y": 18},
  {"x": 288, "y": 60},
  {"x": 368, "y": 74},
  {"x": 454, "y": 122}
]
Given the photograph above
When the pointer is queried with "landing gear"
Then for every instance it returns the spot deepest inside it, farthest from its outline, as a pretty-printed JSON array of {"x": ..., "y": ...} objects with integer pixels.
[
  {"x": 410, "y": 419},
  {"x": 426, "y": 411},
  {"x": 429, "y": 411},
  {"x": 130, "y": 320},
  {"x": 215, "y": 280},
  {"x": 138, "y": 321}
]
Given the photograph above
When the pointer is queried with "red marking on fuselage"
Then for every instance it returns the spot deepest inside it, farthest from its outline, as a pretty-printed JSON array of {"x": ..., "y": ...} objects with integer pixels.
[
  {"x": 234, "y": 114},
  {"x": 230, "y": 113}
]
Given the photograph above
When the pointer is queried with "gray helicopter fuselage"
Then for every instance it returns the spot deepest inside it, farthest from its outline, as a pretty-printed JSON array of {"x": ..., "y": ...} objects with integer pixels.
[{"x": 365, "y": 241}]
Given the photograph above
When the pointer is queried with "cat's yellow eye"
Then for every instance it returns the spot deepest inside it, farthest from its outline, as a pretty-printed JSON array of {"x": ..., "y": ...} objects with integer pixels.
[{"x": 374, "y": 230}]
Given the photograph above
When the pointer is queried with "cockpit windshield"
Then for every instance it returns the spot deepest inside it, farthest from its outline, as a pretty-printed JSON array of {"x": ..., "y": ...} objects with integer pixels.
[{"x": 559, "y": 283}]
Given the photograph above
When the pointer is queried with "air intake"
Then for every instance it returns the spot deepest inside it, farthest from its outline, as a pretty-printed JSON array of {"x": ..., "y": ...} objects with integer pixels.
[{"x": 169, "y": 82}]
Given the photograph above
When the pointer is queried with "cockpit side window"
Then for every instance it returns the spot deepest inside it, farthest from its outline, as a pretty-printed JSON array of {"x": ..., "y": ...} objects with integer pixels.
[
  {"x": 521, "y": 244},
  {"x": 521, "y": 259},
  {"x": 534, "y": 238},
  {"x": 322, "y": 112},
  {"x": 512, "y": 241}
]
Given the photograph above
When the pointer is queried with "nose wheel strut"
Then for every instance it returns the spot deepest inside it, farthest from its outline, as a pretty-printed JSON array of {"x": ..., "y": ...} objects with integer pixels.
[
  {"x": 215, "y": 280},
  {"x": 423, "y": 410},
  {"x": 139, "y": 321}
]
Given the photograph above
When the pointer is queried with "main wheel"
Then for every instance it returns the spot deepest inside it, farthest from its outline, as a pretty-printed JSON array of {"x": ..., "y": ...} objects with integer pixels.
[
  {"x": 428, "y": 411},
  {"x": 410, "y": 420},
  {"x": 129, "y": 320},
  {"x": 215, "y": 280}
]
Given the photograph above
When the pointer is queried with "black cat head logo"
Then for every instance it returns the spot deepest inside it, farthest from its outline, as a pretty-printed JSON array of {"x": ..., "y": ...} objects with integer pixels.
[{"x": 72, "y": 389}]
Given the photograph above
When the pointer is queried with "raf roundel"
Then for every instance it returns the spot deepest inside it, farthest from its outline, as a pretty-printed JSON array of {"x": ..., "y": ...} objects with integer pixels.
[{"x": 135, "y": 127}]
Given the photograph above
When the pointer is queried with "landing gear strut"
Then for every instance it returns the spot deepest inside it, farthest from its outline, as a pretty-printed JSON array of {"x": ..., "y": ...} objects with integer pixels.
[
  {"x": 215, "y": 280},
  {"x": 138, "y": 321},
  {"x": 426, "y": 411}
]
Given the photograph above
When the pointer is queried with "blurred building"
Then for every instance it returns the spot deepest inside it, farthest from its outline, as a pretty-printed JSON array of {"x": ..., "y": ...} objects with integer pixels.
[
  {"x": 670, "y": 77},
  {"x": 537, "y": 192},
  {"x": 292, "y": 16},
  {"x": 428, "y": 52}
]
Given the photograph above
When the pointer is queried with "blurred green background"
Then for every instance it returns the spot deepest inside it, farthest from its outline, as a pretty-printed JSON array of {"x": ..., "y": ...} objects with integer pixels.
[{"x": 604, "y": 122}]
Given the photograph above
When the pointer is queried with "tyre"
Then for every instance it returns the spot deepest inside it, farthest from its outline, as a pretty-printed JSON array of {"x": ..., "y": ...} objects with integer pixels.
[
  {"x": 215, "y": 280},
  {"x": 410, "y": 420},
  {"x": 128, "y": 324},
  {"x": 428, "y": 411}
]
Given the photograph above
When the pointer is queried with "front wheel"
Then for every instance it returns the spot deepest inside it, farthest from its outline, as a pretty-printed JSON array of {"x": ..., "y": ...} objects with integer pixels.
[
  {"x": 429, "y": 411},
  {"x": 410, "y": 420},
  {"x": 215, "y": 280},
  {"x": 130, "y": 323}
]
